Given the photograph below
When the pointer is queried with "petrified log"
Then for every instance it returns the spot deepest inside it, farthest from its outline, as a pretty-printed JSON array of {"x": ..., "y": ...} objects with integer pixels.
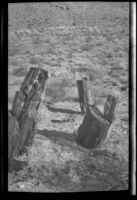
[
  {"x": 23, "y": 115},
  {"x": 94, "y": 128},
  {"x": 86, "y": 95}
]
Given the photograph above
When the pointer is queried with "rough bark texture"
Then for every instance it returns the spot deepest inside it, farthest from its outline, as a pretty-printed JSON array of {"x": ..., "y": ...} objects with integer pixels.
[
  {"x": 109, "y": 108},
  {"x": 94, "y": 128},
  {"x": 81, "y": 96},
  {"x": 22, "y": 117},
  {"x": 88, "y": 93},
  {"x": 86, "y": 96}
]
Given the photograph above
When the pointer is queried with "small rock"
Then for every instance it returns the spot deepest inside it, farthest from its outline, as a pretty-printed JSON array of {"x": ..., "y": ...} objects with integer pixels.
[{"x": 21, "y": 185}]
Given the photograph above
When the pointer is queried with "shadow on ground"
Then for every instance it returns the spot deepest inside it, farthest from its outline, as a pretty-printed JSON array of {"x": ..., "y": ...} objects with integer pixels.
[
  {"x": 63, "y": 110},
  {"x": 54, "y": 135}
]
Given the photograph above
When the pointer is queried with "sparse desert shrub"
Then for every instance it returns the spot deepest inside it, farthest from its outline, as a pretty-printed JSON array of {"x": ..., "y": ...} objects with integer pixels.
[
  {"x": 99, "y": 43},
  {"x": 34, "y": 60},
  {"x": 62, "y": 8},
  {"x": 109, "y": 38},
  {"x": 55, "y": 93},
  {"x": 49, "y": 50},
  {"x": 14, "y": 62},
  {"x": 10, "y": 99},
  {"x": 65, "y": 83},
  {"x": 88, "y": 39},
  {"x": 17, "y": 82},
  {"x": 126, "y": 48},
  {"x": 109, "y": 55},
  {"x": 27, "y": 52},
  {"x": 67, "y": 8},
  {"x": 13, "y": 51},
  {"x": 103, "y": 61},
  {"x": 123, "y": 88},
  {"x": 114, "y": 83},
  {"x": 20, "y": 72},
  {"x": 62, "y": 83},
  {"x": 82, "y": 69},
  {"x": 94, "y": 74},
  {"x": 117, "y": 49},
  {"x": 121, "y": 54},
  {"x": 85, "y": 48}
]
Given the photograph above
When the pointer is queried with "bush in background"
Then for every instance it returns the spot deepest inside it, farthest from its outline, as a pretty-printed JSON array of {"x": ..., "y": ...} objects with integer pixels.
[{"x": 20, "y": 72}]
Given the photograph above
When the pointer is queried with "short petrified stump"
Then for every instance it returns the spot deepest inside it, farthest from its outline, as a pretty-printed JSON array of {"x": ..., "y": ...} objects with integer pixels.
[{"x": 94, "y": 128}]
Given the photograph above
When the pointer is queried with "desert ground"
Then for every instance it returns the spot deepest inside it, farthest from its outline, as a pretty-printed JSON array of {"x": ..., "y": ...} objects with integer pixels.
[{"x": 69, "y": 40}]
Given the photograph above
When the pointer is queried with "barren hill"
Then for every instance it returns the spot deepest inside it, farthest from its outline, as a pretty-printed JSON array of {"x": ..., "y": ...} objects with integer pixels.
[{"x": 67, "y": 13}]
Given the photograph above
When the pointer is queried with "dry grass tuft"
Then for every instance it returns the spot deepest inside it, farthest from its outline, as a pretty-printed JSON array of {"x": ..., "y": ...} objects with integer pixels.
[{"x": 20, "y": 72}]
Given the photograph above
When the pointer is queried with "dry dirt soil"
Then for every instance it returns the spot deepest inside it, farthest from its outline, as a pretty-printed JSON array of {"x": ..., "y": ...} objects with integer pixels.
[{"x": 69, "y": 40}]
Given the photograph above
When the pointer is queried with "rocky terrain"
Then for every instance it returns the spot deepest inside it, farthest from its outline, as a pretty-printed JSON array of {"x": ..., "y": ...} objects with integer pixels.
[{"x": 69, "y": 40}]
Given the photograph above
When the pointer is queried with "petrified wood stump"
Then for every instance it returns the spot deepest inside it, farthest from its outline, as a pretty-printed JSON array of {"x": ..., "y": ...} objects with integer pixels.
[
  {"x": 86, "y": 95},
  {"x": 81, "y": 96},
  {"x": 94, "y": 128},
  {"x": 109, "y": 108},
  {"x": 23, "y": 115}
]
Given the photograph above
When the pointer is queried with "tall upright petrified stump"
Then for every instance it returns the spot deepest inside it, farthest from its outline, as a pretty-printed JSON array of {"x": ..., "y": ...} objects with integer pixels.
[
  {"x": 94, "y": 128},
  {"x": 22, "y": 117},
  {"x": 86, "y": 95},
  {"x": 80, "y": 87}
]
